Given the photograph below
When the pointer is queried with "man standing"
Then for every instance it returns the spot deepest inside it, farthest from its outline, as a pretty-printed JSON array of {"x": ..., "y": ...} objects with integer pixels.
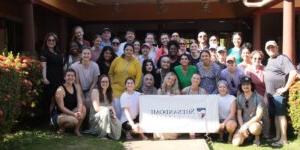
[
  {"x": 105, "y": 35},
  {"x": 130, "y": 37},
  {"x": 278, "y": 69}
]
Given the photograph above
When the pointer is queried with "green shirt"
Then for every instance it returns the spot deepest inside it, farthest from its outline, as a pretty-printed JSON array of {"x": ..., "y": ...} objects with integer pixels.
[{"x": 185, "y": 79}]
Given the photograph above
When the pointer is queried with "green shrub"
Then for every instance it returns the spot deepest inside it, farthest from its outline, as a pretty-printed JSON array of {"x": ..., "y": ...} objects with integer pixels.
[
  {"x": 294, "y": 106},
  {"x": 20, "y": 85}
]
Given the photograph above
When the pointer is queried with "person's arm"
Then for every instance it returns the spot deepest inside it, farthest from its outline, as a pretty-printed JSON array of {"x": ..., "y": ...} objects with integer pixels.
[
  {"x": 95, "y": 77},
  {"x": 290, "y": 81},
  {"x": 232, "y": 112},
  {"x": 130, "y": 120},
  {"x": 59, "y": 98},
  {"x": 256, "y": 4},
  {"x": 79, "y": 98},
  {"x": 44, "y": 72},
  {"x": 95, "y": 100},
  {"x": 111, "y": 69},
  {"x": 239, "y": 117},
  {"x": 138, "y": 77}
]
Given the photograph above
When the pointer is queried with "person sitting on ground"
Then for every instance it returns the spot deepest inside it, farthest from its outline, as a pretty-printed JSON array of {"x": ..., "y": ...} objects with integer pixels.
[
  {"x": 194, "y": 89},
  {"x": 168, "y": 87},
  {"x": 250, "y": 109},
  {"x": 227, "y": 111},
  {"x": 102, "y": 119},
  {"x": 69, "y": 111},
  {"x": 130, "y": 105}
]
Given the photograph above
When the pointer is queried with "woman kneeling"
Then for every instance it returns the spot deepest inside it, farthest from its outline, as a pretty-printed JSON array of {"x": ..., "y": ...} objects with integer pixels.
[
  {"x": 69, "y": 111},
  {"x": 227, "y": 110},
  {"x": 130, "y": 104}
]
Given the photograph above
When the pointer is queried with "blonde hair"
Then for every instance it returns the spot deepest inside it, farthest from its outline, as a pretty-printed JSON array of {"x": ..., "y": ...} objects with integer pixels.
[{"x": 174, "y": 89}]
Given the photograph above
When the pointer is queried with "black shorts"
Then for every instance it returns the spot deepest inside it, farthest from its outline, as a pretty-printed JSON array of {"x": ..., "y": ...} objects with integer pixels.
[{"x": 127, "y": 127}]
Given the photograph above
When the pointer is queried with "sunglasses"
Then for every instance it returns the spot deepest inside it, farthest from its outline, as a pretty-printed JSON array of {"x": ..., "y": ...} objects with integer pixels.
[
  {"x": 247, "y": 104},
  {"x": 232, "y": 83}
]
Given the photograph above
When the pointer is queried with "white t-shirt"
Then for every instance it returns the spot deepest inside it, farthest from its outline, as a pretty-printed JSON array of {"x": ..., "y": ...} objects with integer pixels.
[
  {"x": 131, "y": 101},
  {"x": 224, "y": 103}
]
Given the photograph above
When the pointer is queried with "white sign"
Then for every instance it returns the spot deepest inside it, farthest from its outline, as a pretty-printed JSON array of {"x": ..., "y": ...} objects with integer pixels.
[{"x": 179, "y": 113}]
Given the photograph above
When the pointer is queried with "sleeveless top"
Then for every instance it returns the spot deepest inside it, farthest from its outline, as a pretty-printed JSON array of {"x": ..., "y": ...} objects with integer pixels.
[{"x": 70, "y": 100}]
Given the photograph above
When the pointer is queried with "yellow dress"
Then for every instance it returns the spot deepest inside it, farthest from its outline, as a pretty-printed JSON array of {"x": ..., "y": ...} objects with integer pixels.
[{"x": 120, "y": 70}]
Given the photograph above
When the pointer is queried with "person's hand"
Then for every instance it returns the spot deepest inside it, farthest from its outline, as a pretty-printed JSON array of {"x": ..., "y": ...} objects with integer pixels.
[
  {"x": 78, "y": 115},
  {"x": 222, "y": 125},
  {"x": 135, "y": 128},
  {"x": 46, "y": 81},
  {"x": 243, "y": 130},
  {"x": 280, "y": 91}
]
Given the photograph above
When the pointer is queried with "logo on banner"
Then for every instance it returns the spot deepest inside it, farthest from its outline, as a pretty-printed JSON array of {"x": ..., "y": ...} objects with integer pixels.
[{"x": 201, "y": 112}]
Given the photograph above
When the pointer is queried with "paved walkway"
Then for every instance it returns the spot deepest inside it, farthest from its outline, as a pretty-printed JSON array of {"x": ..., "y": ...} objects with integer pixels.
[{"x": 197, "y": 144}]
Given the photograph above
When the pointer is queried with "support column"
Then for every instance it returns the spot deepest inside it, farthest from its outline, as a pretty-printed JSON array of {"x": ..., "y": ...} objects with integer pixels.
[
  {"x": 28, "y": 27},
  {"x": 63, "y": 35},
  {"x": 288, "y": 43},
  {"x": 257, "y": 31}
]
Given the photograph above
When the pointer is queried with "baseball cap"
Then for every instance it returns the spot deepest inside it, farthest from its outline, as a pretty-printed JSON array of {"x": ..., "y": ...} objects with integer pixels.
[
  {"x": 228, "y": 58},
  {"x": 106, "y": 29},
  {"x": 246, "y": 80},
  {"x": 221, "y": 48},
  {"x": 146, "y": 44},
  {"x": 269, "y": 43}
]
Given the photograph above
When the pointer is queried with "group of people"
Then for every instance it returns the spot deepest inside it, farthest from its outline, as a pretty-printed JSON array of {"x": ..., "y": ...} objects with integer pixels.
[{"x": 99, "y": 85}]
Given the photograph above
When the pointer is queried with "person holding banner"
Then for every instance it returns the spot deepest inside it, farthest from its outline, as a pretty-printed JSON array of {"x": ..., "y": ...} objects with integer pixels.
[
  {"x": 169, "y": 87},
  {"x": 130, "y": 105},
  {"x": 249, "y": 113},
  {"x": 194, "y": 89},
  {"x": 227, "y": 110}
]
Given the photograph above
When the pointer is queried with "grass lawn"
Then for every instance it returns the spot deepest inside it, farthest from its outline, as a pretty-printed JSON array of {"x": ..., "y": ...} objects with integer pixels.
[
  {"x": 293, "y": 145},
  {"x": 47, "y": 140}
]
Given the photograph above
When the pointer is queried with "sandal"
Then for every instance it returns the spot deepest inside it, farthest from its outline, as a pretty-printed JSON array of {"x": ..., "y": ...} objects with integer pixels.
[
  {"x": 128, "y": 136},
  {"x": 278, "y": 144}
]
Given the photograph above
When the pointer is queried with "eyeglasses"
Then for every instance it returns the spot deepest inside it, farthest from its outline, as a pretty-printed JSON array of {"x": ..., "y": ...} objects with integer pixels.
[
  {"x": 247, "y": 103},
  {"x": 51, "y": 40},
  {"x": 115, "y": 43},
  {"x": 257, "y": 58},
  {"x": 230, "y": 62}
]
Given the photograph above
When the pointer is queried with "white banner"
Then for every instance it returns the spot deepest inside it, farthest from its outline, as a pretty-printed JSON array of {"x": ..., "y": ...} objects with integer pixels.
[{"x": 179, "y": 113}]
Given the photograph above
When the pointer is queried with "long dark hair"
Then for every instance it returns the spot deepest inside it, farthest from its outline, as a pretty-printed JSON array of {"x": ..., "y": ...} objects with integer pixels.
[
  {"x": 144, "y": 70},
  {"x": 45, "y": 47},
  {"x": 101, "y": 57},
  {"x": 108, "y": 91}
]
